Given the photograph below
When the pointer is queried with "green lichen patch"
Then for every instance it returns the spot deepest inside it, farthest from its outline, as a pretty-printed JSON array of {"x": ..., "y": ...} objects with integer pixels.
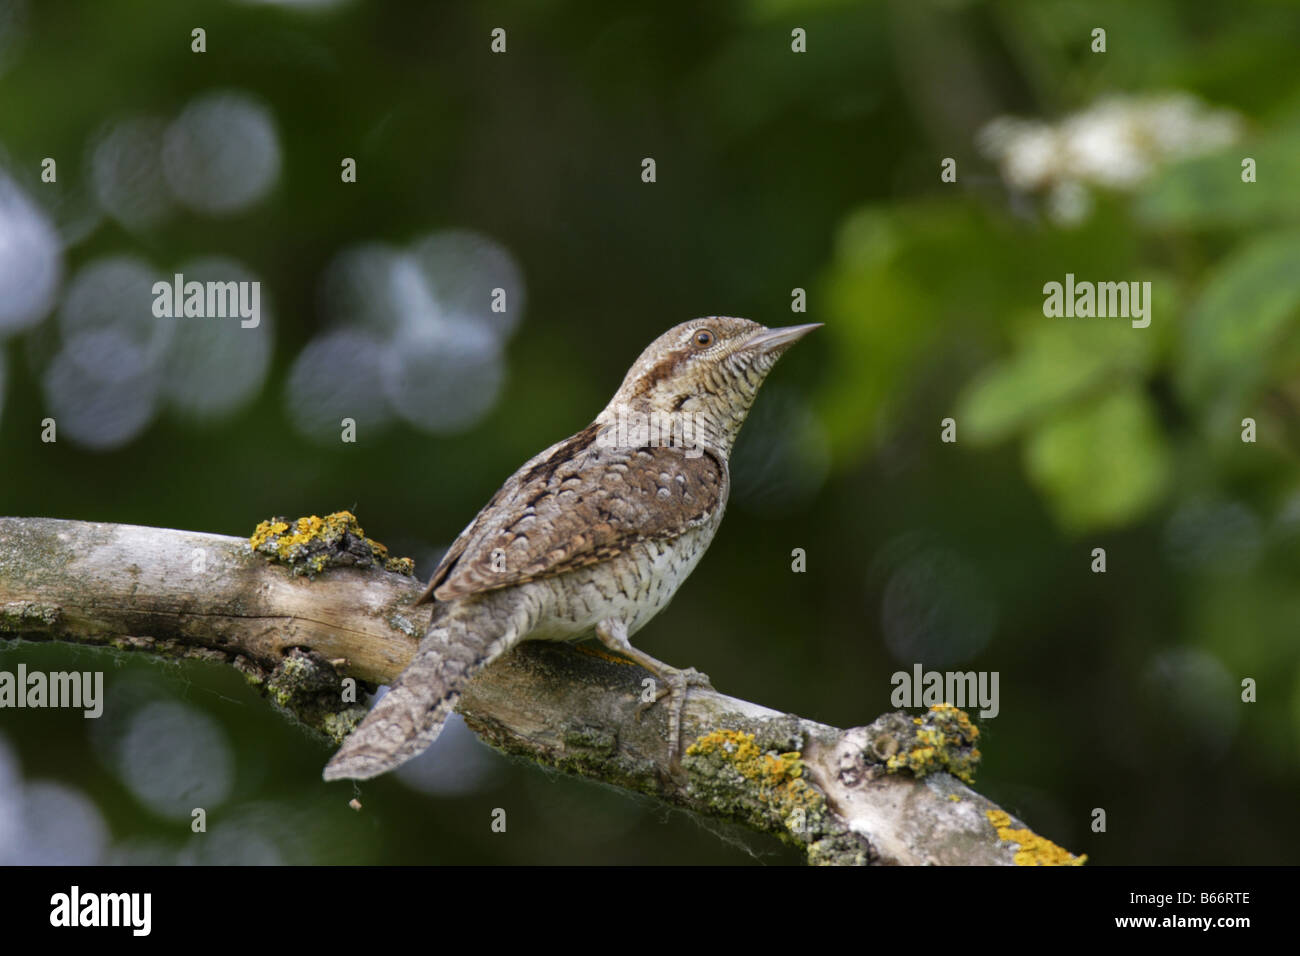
[
  {"x": 778, "y": 776},
  {"x": 166, "y": 649},
  {"x": 310, "y": 545},
  {"x": 18, "y": 617},
  {"x": 1034, "y": 850},
  {"x": 307, "y": 688},
  {"x": 942, "y": 740},
  {"x": 582, "y": 736},
  {"x": 768, "y": 790}
]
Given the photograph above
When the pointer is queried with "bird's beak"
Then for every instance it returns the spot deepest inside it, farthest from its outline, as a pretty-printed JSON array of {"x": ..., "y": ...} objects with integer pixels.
[{"x": 777, "y": 340}]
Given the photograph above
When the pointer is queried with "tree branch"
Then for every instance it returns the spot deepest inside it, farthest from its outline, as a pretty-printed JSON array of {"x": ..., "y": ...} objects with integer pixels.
[{"x": 874, "y": 794}]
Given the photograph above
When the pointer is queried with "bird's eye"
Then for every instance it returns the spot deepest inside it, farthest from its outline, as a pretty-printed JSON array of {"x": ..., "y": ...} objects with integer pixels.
[{"x": 703, "y": 338}]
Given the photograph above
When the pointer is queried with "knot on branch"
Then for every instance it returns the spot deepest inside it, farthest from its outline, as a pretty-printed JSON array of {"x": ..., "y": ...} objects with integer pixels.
[
  {"x": 311, "y": 544},
  {"x": 942, "y": 740},
  {"x": 307, "y": 688}
]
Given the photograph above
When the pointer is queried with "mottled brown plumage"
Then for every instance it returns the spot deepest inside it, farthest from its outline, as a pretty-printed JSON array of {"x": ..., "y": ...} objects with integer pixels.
[
  {"x": 554, "y": 517},
  {"x": 594, "y": 534}
]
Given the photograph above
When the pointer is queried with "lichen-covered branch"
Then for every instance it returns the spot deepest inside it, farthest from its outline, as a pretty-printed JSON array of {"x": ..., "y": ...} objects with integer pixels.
[{"x": 884, "y": 793}]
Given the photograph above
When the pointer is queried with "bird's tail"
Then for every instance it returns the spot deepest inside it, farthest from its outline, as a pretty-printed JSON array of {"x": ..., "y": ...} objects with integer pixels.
[{"x": 462, "y": 639}]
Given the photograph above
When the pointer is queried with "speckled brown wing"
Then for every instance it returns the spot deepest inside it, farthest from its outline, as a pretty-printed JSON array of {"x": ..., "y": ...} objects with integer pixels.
[{"x": 576, "y": 504}]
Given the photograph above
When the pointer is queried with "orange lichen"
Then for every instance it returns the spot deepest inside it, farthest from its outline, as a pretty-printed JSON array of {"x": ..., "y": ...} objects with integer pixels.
[
  {"x": 592, "y": 650},
  {"x": 777, "y": 777},
  {"x": 1034, "y": 850}
]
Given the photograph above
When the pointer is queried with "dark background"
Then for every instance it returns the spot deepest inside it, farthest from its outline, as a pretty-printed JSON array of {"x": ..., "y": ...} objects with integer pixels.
[{"x": 775, "y": 171}]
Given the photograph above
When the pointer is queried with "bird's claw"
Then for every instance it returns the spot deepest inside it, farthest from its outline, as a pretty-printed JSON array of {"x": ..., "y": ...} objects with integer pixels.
[
  {"x": 676, "y": 686},
  {"x": 696, "y": 678},
  {"x": 675, "y": 682}
]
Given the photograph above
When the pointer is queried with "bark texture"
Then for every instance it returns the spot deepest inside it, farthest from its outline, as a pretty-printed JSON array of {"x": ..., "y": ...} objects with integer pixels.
[{"x": 882, "y": 793}]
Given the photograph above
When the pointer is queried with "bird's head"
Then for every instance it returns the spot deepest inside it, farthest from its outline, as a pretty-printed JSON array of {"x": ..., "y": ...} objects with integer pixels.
[{"x": 703, "y": 376}]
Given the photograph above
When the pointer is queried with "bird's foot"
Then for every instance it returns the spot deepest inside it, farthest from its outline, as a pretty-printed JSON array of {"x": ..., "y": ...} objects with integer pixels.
[
  {"x": 679, "y": 684},
  {"x": 670, "y": 682},
  {"x": 676, "y": 685}
]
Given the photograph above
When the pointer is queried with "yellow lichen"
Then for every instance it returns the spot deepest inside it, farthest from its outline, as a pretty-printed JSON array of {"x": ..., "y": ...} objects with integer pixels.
[
  {"x": 945, "y": 741},
  {"x": 404, "y": 566},
  {"x": 267, "y": 530},
  {"x": 749, "y": 777},
  {"x": 1034, "y": 850},
  {"x": 311, "y": 544},
  {"x": 777, "y": 778}
]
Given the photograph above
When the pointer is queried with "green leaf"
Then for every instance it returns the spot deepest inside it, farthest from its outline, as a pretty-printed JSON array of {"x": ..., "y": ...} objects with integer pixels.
[
  {"x": 1101, "y": 465},
  {"x": 1244, "y": 314},
  {"x": 1060, "y": 361},
  {"x": 1207, "y": 192}
]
